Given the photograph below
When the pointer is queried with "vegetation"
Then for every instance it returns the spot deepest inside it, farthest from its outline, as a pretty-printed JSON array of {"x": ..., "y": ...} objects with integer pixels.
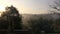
[
  {"x": 10, "y": 18},
  {"x": 55, "y": 6},
  {"x": 40, "y": 23}
]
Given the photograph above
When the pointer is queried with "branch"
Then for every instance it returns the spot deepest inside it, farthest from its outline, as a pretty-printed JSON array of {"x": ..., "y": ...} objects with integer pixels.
[{"x": 54, "y": 7}]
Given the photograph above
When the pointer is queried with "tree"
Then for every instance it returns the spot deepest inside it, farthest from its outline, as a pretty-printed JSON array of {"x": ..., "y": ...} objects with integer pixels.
[
  {"x": 12, "y": 17},
  {"x": 56, "y": 6}
]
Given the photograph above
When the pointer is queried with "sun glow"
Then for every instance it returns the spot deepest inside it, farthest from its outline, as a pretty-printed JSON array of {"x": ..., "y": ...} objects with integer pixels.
[
  {"x": 3, "y": 4},
  {"x": 2, "y": 8}
]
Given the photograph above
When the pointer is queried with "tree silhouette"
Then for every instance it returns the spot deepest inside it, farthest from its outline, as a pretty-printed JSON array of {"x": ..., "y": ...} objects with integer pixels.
[
  {"x": 56, "y": 9},
  {"x": 56, "y": 6},
  {"x": 12, "y": 17}
]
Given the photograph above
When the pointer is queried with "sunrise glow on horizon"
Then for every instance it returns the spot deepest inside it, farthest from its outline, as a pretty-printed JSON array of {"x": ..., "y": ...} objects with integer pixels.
[{"x": 26, "y": 6}]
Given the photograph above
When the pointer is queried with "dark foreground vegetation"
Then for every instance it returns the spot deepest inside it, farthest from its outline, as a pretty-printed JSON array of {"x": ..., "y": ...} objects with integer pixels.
[{"x": 13, "y": 22}]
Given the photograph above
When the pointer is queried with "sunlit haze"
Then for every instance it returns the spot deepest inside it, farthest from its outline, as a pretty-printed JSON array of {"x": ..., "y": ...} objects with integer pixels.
[
  {"x": 2, "y": 8},
  {"x": 27, "y": 6}
]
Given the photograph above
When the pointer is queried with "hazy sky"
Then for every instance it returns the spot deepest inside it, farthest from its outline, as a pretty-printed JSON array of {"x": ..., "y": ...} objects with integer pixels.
[{"x": 28, "y": 6}]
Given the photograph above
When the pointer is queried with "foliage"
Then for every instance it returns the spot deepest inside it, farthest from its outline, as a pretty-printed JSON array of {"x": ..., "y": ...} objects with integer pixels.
[{"x": 11, "y": 17}]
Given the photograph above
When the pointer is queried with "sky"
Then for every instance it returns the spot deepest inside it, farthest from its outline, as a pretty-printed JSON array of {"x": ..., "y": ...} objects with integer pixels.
[{"x": 27, "y": 6}]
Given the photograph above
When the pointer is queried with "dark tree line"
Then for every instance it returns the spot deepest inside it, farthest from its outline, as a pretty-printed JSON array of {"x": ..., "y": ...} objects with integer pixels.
[
  {"x": 46, "y": 25},
  {"x": 10, "y": 17},
  {"x": 43, "y": 25}
]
